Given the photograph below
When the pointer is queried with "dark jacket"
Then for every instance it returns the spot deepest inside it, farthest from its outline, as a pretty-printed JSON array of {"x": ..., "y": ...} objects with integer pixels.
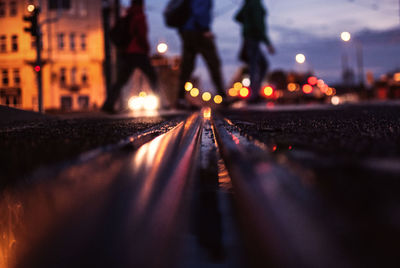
[
  {"x": 138, "y": 30},
  {"x": 252, "y": 17},
  {"x": 200, "y": 19}
]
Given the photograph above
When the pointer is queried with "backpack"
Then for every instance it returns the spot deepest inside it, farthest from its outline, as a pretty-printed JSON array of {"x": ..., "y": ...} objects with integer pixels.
[
  {"x": 120, "y": 33},
  {"x": 176, "y": 13}
]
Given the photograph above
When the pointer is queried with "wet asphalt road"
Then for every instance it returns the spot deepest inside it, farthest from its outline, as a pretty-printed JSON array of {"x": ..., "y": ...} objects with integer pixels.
[
  {"x": 30, "y": 142},
  {"x": 352, "y": 131},
  {"x": 348, "y": 157}
]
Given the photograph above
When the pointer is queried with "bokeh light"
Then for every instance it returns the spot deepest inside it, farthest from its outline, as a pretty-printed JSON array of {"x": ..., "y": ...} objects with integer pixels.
[
  {"x": 268, "y": 91},
  {"x": 135, "y": 103},
  {"x": 188, "y": 86},
  {"x": 246, "y": 82},
  {"x": 218, "y": 99},
  {"x": 292, "y": 87},
  {"x": 31, "y": 8},
  {"x": 194, "y": 92},
  {"x": 335, "y": 100},
  {"x": 300, "y": 58},
  {"x": 345, "y": 36},
  {"x": 397, "y": 77},
  {"x": 307, "y": 89},
  {"x": 312, "y": 80},
  {"x": 162, "y": 48},
  {"x": 150, "y": 103},
  {"x": 244, "y": 92},
  {"x": 206, "y": 96},
  {"x": 238, "y": 86},
  {"x": 233, "y": 92}
]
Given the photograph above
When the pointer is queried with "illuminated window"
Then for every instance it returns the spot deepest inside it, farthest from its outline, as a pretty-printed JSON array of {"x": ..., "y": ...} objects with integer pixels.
[
  {"x": 2, "y": 8},
  {"x": 17, "y": 77},
  {"x": 13, "y": 8},
  {"x": 72, "y": 41},
  {"x": 83, "y": 41},
  {"x": 63, "y": 76},
  {"x": 59, "y": 4},
  {"x": 4, "y": 77},
  {"x": 3, "y": 44},
  {"x": 14, "y": 43}
]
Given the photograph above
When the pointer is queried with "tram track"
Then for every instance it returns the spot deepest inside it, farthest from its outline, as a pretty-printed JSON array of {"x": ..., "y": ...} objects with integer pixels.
[{"x": 200, "y": 194}]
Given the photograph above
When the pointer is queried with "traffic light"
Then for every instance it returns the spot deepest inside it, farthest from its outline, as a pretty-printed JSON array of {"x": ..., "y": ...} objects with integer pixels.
[{"x": 33, "y": 20}]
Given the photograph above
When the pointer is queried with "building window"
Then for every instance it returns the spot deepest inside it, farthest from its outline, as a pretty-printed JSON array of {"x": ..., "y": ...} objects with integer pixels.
[
  {"x": 63, "y": 76},
  {"x": 73, "y": 76},
  {"x": 66, "y": 103},
  {"x": 4, "y": 77},
  {"x": 83, "y": 102},
  {"x": 83, "y": 41},
  {"x": 14, "y": 43},
  {"x": 2, "y": 8},
  {"x": 3, "y": 43},
  {"x": 84, "y": 77},
  {"x": 17, "y": 77},
  {"x": 13, "y": 8},
  {"x": 72, "y": 41},
  {"x": 59, "y": 4},
  {"x": 60, "y": 41}
]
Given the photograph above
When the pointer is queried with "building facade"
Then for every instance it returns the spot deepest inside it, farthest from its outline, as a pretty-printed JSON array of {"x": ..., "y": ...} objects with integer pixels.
[{"x": 72, "y": 51}]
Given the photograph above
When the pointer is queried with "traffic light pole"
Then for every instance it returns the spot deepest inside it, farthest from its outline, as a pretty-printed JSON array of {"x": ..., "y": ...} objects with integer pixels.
[
  {"x": 38, "y": 70},
  {"x": 107, "y": 46}
]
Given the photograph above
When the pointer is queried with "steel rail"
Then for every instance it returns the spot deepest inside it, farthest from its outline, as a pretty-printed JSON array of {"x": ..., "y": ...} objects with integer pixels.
[
  {"x": 120, "y": 208},
  {"x": 278, "y": 229}
]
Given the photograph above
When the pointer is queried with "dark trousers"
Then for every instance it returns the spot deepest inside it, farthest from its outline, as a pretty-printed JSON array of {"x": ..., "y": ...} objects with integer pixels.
[
  {"x": 127, "y": 63},
  {"x": 195, "y": 43},
  {"x": 258, "y": 66}
]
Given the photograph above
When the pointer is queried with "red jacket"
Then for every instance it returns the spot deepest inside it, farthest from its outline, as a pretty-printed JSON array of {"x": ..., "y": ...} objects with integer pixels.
[{"x": 138, "y": 29}]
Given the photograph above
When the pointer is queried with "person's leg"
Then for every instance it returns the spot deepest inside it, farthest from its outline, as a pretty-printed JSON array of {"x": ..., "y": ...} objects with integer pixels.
[
  {"x": 209, "y": 52},
  {"x": 257, "y": 66},
  {"x": 125, "y": 69},
  {"x": 188, "y": 61},
  {"x": 144, "y": 64}
]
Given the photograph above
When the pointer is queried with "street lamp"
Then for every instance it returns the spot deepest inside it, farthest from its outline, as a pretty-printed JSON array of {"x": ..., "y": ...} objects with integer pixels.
[
  {"x": 345, "y": 36},
  {"x": 300, "y": 58},
  {"x": 162, "y": 48}
]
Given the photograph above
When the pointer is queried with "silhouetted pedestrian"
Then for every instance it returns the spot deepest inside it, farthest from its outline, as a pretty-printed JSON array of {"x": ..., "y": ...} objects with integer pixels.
[
  {"x": 197, "y": 38},
  {"x": 132, "y": 54},
  {"x": 252, "y": 17}
]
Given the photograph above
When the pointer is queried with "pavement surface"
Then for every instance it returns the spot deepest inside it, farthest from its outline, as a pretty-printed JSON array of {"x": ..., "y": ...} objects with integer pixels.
[
  {"x": 300, "y": 186},
  {"x": 352, "y": 130},
  {"x": 30, "y": 140}
]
